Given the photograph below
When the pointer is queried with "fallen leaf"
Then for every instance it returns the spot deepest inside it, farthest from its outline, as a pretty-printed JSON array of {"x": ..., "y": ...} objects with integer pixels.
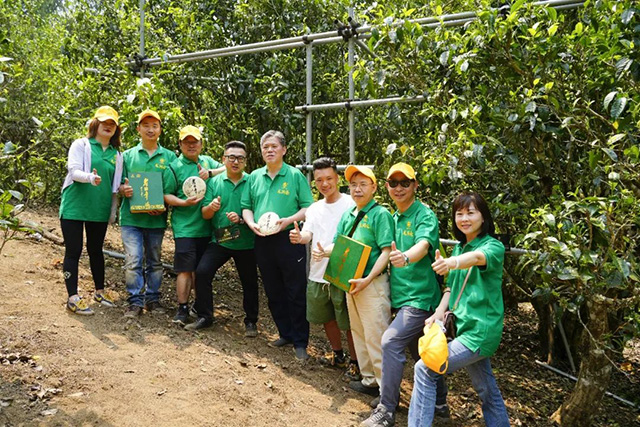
[
  {"x": 161, "y": 392},
  {"x": 47, "y": 412},
  {"x": 78, "y": 394}
]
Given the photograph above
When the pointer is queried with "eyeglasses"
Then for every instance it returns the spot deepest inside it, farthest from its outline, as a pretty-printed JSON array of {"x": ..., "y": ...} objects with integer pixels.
[
  {"x": 405, "y": 183},
  {"x": 233, "y": 159},
  {"x": 354, "y": 185}
]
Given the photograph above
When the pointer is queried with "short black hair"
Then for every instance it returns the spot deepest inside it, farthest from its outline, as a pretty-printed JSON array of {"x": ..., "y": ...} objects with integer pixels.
[
  {"x": 465, "y": 200},
  {"x": 235, "y": 144},
  {"x": 324, "y": 163}
]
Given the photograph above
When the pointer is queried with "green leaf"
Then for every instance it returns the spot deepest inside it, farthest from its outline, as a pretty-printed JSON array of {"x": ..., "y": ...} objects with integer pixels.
[
  {"x": 18, "y": 195},
  {"x": 531, "y": 107},
  {"x": 626, "y": 16},
  {"x": 612, "y": 154},
  {"x": 609, "y": 98},
  {"x": 444, "y": 58},
  {"x": 549, "y": 219},
  {"x": 616, "y": 138},
  {"x": 578, "y": 29},
  {"x": 618, "y": 107}
]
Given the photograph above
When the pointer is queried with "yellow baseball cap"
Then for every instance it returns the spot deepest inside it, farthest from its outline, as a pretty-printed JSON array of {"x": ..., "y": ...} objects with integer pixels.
[
  {"x": 433, "y": 349},
  {"x": 190, "y": 131},
  {"x": 353, "y": 169},
  {"x": 105, "y": 113},
  {"x": 404, "y": 169},
  {"x": 148, "y": 113}
]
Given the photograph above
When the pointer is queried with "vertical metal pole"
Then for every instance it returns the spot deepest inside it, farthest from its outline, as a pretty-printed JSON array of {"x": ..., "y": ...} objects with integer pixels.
[
  {"x": 142, "y": 35},
  {"x": 352, "y": 127},
  {"x": 309, "y": 124}
]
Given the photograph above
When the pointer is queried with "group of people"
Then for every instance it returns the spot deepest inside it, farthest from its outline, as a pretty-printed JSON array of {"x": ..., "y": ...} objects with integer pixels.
[{"x": 383, "y": 313}]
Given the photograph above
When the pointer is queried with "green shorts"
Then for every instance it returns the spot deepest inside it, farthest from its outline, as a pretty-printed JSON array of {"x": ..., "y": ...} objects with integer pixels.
[{"x": 325, "y": 303}]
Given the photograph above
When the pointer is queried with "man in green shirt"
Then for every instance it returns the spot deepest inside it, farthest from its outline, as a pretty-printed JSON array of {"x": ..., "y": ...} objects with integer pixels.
[
  {"x": 142, "y": 233},
  {"x": 190, "y": 232},
  {"x": 284, "y": 190},
  {"x": 415, "y": 292},
  {"x": 368, "y": 298},
  {"x": 231, "y": 239}
]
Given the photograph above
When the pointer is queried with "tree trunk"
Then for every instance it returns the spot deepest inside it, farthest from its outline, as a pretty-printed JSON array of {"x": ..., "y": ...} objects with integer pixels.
[
  {"x": 545, "y": 327},
  {"x": 593, "y": 379}
]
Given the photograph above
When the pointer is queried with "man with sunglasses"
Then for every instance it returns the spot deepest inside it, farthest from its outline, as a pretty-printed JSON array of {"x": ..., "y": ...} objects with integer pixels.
[
  {"x": 231, "y": 238},
  {"x": 415, "y": 292}
]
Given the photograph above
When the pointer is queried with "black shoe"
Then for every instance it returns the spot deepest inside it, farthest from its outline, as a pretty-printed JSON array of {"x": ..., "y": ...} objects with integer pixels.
[
  {"x": 182, "y": 316},
  {"x": 132, "y": 311},
  {"x": 154, "y": 306},
  {"x": 301, "y": 353},
  {"x": 251, "y": 330},
  {"x": 280, "y": 342},
  {"x": 373, "y": 391},
  {"x": 201, "y": 323},
  {"x": 442, "y": 411}
]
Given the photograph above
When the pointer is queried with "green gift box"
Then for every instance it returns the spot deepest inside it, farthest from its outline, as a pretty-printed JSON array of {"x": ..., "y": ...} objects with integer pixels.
[
  {"x": 148, "y": 195},
  {"x": 348, "y": 261}
]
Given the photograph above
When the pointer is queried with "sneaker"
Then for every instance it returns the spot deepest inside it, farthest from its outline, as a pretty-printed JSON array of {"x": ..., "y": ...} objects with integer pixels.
[
  {"x": 379, "y": 417},
  {"x": 442, "y": 411},
  {"x": 79, "y": 306},
  {"x": 201, "y": 323},
  {"x": 192, "y": 311},
  {"x": 154, "y": 306},
  {"x": 280, "y": 342},
  {"x": 361, "y": 388},
  {"x": 353, "y": 372},
  {"x": 133, "y": 311},
  {"x": 251, "y": 330},
  {"x": 301, "y": 353},
  {"x": 182, "y": 316},
  {"x": 105, "y": 299},
  {"x": 331, "y": 360}
]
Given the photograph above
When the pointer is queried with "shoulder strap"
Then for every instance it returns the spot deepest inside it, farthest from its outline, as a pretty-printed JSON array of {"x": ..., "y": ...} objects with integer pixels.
[
  {"x": 359, "y": 217},
  {"x": 462, "y": 290}
]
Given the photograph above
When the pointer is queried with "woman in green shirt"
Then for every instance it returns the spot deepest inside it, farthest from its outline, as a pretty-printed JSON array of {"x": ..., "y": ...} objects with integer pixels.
[
  {"x": 89, "y": 201},
  {"x": 479, "y": 312}
]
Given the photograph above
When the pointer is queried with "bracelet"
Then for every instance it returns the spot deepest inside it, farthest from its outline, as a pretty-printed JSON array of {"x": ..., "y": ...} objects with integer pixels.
[
  {"x": 447, "y": 289},
  {"x": 406, "y": 259},
  {"x": 457, "y": 263}
]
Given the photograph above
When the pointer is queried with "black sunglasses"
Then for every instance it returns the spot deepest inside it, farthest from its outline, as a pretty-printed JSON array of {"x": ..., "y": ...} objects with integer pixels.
[{"x": 405, "y": 183}]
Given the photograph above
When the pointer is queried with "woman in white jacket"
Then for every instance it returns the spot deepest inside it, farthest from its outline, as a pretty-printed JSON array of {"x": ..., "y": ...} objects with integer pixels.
[{"x": 89, "y": 201}]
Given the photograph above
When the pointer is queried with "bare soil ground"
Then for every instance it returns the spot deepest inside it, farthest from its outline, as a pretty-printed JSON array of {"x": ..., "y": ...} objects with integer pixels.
[{"x": 62, "y": 369}]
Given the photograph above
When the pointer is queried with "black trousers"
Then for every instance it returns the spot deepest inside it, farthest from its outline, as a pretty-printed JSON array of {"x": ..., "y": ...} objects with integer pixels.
[
  {"x": 72, "y": 233},
  {"x": 215, "y": 257},
  {"x": 283, "y": 267}
]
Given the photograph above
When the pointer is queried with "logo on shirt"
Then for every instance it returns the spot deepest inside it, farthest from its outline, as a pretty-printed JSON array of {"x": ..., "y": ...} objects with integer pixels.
[
  {"x": 284, "y": 190},
  {"x": 161, "y": 160},
  {"x": 365, "y": 223},
  {"x": 113, "y": 159}
]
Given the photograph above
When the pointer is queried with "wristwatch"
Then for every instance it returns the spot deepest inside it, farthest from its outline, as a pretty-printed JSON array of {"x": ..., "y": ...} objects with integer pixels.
[
  {"x": 406, "y": 259},
  {"x": 210, "y": 173}
]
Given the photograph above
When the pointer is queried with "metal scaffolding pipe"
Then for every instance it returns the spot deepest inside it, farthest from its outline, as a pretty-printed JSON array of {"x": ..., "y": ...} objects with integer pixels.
[
  {"x": 141, "y": 4},
  {"x": 177, "y": 59},
  {"x": 309, "y": 118},
  {"x": 360, "y": 104},
  {"x": 352, "y": 118}
]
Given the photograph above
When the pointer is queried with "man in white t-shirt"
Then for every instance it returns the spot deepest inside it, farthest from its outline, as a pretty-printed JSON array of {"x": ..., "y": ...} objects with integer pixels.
[{"x": 326, "y": 304}]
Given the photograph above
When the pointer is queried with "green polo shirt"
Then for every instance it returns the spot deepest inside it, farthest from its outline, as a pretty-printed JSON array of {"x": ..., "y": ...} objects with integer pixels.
[
  {"x": 85, "y": 202},
  {"x": 137, "y": 159},
  {"x": 230, "y": 195},
  {"x": 285, "y": 194},
  {"x": 376, "y": 229},
  {"x": 186, "y": 221},
  {"x": 415, "y": 285},
  {"x": 480, "y": 312}
]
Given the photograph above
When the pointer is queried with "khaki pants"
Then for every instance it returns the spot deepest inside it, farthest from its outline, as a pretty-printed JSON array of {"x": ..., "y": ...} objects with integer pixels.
[{"x": 370, "y": 315}]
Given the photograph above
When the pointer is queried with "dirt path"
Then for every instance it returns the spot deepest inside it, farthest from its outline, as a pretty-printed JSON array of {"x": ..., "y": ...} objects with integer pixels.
[{"x": 103, "y": 370}]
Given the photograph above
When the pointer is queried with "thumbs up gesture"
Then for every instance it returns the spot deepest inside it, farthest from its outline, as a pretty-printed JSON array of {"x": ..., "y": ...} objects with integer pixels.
[
  {"x": 318, "y": 253},
  {"x": 295, "y": 236},
  {"x": 441, "y": 265},
  {"x": 95, "y": 178},
  {"x": 396, "y": 257},
  {"x": 125, "y": 189},
  {"x": 203, "y": 173},
  {"x": 215, "y": 204}
]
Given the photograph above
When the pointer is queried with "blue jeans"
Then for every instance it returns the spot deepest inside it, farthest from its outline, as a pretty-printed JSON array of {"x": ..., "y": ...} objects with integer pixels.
[
  {"x": 406, "y": 327},
  {"x": 423, "y": 399},
  {"x": 142, "y": 244}
]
